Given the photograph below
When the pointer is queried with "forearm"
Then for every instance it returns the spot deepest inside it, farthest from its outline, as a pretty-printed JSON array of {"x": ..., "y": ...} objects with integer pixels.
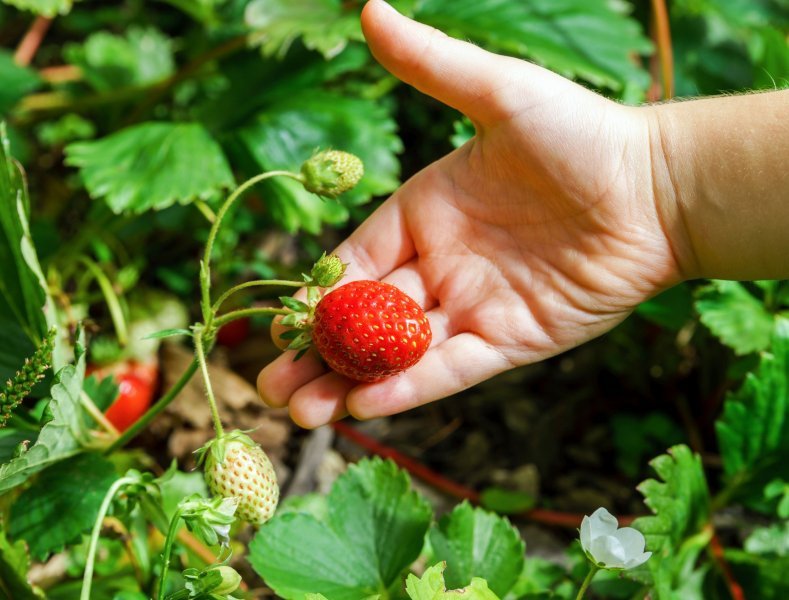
[{"x": 721, "y": 182}]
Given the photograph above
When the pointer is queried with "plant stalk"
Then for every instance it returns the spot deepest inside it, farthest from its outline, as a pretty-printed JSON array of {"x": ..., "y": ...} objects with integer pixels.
[
  {"x": 205, "y": 271},
  {"x": 249, "y": 312},
  {"x": 87, "y": 578},
  {"x": 209, "y": 390},
  {"x": 255, "y": 283},
  {"x": 585, "y": 585},
  {"x": 168, "y": 550}
]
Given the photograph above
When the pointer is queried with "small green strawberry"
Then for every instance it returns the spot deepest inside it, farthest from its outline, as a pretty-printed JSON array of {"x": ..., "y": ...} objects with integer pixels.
[
  {"x": 236, "y": 467},
  {"x": 331, "y": 172}
]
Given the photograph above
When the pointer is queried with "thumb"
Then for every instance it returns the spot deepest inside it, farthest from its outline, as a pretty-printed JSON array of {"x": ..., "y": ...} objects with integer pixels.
[{"x": 485, "y": 87}]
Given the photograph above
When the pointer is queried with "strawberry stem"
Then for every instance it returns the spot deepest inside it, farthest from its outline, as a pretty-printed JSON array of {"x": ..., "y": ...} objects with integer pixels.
[
  {"x": 248, "y": 312},
  {"x": 205, "y": 271},
  {"x": 255, "y": 283},
  {"x": 87, "y": 578},
  {"x": 209, "y": 391},
  {"x": 168, "y": 550}
]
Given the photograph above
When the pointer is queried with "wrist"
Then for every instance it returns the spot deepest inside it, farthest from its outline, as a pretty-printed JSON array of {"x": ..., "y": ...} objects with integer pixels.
[{"x": 672, "y": 188}]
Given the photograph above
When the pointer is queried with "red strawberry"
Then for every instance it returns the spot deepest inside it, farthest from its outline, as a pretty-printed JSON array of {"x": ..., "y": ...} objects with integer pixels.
[{"x": 369, "y": 330}]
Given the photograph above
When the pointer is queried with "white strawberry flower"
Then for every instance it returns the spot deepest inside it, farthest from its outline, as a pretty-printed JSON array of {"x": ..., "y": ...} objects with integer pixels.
[{"x": 610, "y": 547}]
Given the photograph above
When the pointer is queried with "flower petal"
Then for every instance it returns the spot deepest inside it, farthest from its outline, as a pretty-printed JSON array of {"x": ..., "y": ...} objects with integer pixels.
[
  {"x": 586, "y": 534},
  {"x": 632, "y": 540},
  {"x": 602, "y": 522},
  {"x": 638, "y": 560},
  {"x": 608, "y": 551}
]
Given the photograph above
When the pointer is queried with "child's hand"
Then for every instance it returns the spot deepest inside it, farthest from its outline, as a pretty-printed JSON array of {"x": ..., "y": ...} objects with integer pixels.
[{"x": 562, "y": 214}]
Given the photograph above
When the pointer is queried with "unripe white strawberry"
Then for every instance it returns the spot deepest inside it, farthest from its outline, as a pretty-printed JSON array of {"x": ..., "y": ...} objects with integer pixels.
[{"x": 236, "y": 467}]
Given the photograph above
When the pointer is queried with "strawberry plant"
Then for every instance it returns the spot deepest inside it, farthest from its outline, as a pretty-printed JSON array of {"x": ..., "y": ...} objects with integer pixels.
[{"x": 127, "y": 126}]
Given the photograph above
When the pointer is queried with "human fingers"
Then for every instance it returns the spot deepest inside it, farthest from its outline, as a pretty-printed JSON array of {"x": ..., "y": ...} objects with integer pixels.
[
  {"x": 478, "y": 83},
  {"x": 314, "y": 396},
  {"x": 323, "y": 399},
  {"x": 447, "y": 368}
]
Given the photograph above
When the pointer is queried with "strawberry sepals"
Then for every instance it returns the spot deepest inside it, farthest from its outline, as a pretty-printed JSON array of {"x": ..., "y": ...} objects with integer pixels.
[{"x": 217, "y": 446}]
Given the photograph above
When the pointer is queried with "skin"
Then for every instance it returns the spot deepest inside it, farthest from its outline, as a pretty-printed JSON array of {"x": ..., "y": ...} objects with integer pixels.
[{"x": 561, "y": 215}]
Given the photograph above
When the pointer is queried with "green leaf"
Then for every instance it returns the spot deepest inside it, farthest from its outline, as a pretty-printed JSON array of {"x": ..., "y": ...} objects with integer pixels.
[
  {"x": 60, "y": 438},
  {"x": 68, "y": 128},
  {"x": 294, "y": 304},
  {"x": 735, "y": 316},
  {"x": 47, "y": 8},
  {"x": 288, "y": 132},
  {"x": 753, "y": 431},
  {"x": 26, "y": 311},
  {"x": 476, "y": 543},
  {"x": 323, "y": 25},
  {"x": 537, "y": 577},
  {"x": 151, "y": 166},
  {"x": 772, "y": 540},
  {"x": 760, "y": 576},
  {"x": 374, "y": 529},
  {"x": 676, "y": 534},
  {"x": 17, "y": 81},
  {"x": 102, "y": 392},
  {"x": 591, "y": 39},
  {"x": 431, "y": 586},
  {"x": 62, "y": 503},
  {"x": 770, "y": 53},
  {"x": 506, "y": 502},
  {"x": 14, "y": 567},
  {"x": 166, "y": 333},
  {"x": 672, "y": 309},
  {"x": 141, "y": 56}
]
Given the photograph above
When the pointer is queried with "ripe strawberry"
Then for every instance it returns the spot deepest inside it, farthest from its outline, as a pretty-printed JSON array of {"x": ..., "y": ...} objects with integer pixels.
[
  {"x": 134, "y": 399},
  {"x": 369, "y": 330},
  {"x": 236, "y": 467}
]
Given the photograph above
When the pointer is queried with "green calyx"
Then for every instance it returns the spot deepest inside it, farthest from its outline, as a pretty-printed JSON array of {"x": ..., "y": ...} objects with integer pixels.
[
  {"x": 214, "y": 451},
  {"x": 331, "y": 172},
  {"x": 326, "y": 272},
  {"x": 299, "y": 336}
]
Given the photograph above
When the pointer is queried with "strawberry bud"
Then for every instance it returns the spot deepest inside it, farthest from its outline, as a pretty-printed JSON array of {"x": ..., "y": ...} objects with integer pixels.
[
  {"x": 331, "y": 172},
  {"x": 230, "y": 580},
  {"x": 328, "y": 270}
]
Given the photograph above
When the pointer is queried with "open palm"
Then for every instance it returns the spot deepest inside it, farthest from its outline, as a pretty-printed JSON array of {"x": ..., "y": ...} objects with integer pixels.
[{"x": 537, "y": 235}]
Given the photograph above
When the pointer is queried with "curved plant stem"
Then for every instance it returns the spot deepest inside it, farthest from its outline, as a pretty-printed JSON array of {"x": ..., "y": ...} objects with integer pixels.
[
  {"x": 592, "y": 572},
  {"x": 209, "y": 390},
  {"x": 29, "y": 45},
  {"x": 249, "y": 312},
  {"x": 718, "y": 553},
  {"x": 205, "y": 267},
  {"x": 94, "y": 536},
  {"x": 168, "y": 550},
  {"x": 111, "y": 298},
  {"x": 205, "y": 210},
  {"x": 662, "y": 34},
  {"x": 160, "y": 405},
  {"x": 98, "y": 416},
  {"x": 255, "y": 283}
]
